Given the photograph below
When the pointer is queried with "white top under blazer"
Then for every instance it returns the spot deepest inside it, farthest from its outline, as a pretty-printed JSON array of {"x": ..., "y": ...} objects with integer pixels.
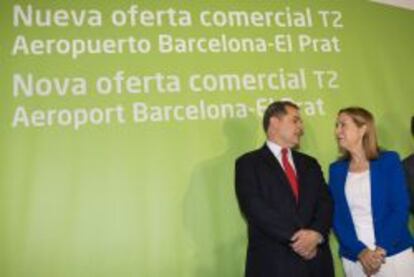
[{"x": 358, "y": 195}]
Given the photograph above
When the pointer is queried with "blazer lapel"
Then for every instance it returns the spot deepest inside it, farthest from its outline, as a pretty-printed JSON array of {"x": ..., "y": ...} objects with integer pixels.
[
  {"x": 376, "y": 182},
  {"x": 342, "y": 174}
]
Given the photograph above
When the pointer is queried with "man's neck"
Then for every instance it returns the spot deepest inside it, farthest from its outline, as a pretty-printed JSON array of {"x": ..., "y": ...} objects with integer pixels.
[{"x": 278, "y": 141}]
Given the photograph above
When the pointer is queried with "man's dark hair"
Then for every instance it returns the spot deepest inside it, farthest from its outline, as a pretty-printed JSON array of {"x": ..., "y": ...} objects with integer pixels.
[
  {"x": 278, "y": 109},
  {"x": 412, "y": 125}
]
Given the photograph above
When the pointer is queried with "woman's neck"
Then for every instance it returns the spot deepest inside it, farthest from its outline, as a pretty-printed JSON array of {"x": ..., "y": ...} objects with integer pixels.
[{"x": 359, "y": 161}]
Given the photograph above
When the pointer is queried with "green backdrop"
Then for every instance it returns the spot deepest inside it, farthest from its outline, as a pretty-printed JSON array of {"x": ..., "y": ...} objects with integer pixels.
[{"x": 92, "y": 184}]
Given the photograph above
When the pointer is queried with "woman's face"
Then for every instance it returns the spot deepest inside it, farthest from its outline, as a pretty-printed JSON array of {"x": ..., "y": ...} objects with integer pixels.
[{"x": 348, "y": 134}]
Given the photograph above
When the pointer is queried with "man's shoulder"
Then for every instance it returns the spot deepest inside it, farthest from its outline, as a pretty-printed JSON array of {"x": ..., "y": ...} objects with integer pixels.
[
  {"x": 304, "y": 156},
  {"x": 249, "y": 156},
  {"x": 409, "y": 160}
]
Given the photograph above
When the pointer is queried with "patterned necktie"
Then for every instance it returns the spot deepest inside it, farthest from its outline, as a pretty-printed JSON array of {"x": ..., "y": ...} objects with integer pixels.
[{"x": 290, "y": 173}]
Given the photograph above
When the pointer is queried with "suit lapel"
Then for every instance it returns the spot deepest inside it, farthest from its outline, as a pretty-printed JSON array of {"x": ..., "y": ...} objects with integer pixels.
[
  {"x": 275, "y": 166},
  {"x": 300, "y": 175}
]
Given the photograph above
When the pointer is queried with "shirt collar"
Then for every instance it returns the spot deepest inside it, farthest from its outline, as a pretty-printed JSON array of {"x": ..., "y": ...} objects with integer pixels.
[{"x": 276, "y": 149}]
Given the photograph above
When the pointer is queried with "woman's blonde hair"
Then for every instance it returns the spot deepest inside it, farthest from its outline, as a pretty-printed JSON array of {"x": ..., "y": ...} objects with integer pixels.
[{"x": 362, "y": 117}]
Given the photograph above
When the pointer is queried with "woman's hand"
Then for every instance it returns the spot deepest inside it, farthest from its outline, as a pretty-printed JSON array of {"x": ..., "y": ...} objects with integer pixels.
[{"x": 371, "y": 260}]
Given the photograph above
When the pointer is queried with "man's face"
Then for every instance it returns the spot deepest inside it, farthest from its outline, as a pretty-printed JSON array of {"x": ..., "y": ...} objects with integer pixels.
[{"x": 287, "y": 130}]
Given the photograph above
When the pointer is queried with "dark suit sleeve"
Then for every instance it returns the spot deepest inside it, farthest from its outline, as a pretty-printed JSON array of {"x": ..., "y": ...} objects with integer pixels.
[
  {"x": 274, "y": 223},
  {"x": 322, "y": 220},
  {"x": 409, "y": 173}
]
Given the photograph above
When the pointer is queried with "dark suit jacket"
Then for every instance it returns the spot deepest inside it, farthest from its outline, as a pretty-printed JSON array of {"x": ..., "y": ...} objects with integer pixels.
[
  {"x": 267, "y": 202},
  {"x": 409, "y": 172}
]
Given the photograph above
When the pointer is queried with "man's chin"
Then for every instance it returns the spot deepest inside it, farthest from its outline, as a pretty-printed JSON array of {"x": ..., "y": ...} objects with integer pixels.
[{"x": 295, "y": 145}]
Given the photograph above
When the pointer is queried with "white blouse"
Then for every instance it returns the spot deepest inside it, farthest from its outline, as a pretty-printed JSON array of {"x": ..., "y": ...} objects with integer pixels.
[{"x": 358, "y": 195}]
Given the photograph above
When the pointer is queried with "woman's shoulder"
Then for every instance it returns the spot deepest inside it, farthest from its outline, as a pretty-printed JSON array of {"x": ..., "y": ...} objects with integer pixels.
[
  {"x": 337, "y": 164},
  {"x": 388, "y": 155}
]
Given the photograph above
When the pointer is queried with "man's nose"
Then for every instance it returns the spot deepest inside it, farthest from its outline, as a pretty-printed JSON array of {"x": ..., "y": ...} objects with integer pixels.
[{"x": 300, "y": 127}]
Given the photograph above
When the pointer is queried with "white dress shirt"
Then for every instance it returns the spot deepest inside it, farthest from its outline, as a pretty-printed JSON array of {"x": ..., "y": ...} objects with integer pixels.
[{"x": 276, "y": 150}]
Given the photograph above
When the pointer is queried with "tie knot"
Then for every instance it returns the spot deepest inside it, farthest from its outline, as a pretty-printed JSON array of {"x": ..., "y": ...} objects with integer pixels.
[{"x": 284, "y": 152}]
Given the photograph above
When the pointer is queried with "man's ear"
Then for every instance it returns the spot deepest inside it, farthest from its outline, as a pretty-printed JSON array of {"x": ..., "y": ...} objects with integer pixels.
[
  {"x": 274, "y": 121},
  {"x": 273, "y": 124}
]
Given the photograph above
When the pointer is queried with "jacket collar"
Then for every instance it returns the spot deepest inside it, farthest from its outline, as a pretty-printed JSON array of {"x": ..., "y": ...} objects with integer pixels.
[{"x": 272, "y": 162}]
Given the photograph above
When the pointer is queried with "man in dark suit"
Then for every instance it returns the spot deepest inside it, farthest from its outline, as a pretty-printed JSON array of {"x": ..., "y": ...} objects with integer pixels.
[
  {"x": 409, "y": 171},
  {"x": 285, "y": 200}
]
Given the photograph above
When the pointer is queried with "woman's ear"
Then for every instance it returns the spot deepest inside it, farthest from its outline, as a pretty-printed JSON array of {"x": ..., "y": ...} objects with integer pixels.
[{"x": 363, "y": 129}]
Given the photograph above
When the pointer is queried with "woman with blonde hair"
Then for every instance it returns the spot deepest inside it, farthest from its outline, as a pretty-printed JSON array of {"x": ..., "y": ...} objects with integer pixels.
[{"x": 371, "y": 206}]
